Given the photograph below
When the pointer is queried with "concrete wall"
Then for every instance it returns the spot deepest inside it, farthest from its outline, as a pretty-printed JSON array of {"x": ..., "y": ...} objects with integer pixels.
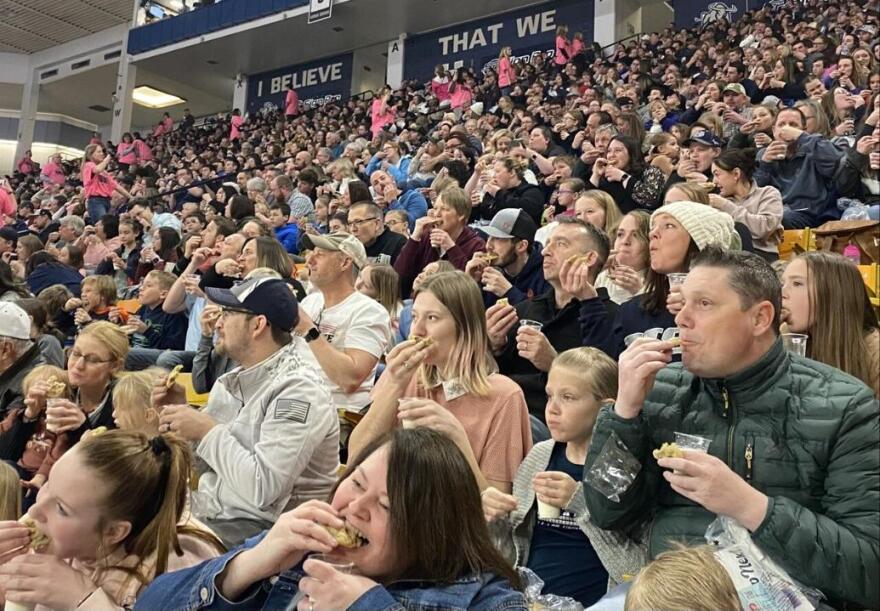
[{"x": 368, "y": 68}]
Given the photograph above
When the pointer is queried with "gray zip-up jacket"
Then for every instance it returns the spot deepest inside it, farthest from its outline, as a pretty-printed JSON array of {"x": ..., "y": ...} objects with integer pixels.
[
  {"x": 619, "y": 555},
  {"x": 277, "y": 444}
]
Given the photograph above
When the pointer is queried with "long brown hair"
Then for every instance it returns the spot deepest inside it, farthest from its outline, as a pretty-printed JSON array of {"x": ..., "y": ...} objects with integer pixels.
[
  {"x": 657, "y": 285},
  {"x": 429, "y": 476},
  {"x": 841, "y": 313},
  {"x": 147, "y": 483}
]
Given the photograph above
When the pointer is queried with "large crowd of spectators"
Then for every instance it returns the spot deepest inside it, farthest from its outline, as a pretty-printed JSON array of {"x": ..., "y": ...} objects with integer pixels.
[{"x": 471, "y": 293}]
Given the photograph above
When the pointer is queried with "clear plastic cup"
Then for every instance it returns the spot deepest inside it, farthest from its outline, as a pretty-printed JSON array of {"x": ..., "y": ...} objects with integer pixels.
[
  {"x": 795, "y": 343},
  {"x": 676, "y": 279},
  {"x": 51, "y": 404},
  {"x": 547, "y": 511},
  {"x": 692, "y": 443},
  {"x": 533, "y": 324},
  {"x": 340, "y": 564},
  {"x": 402, "y": 403}
]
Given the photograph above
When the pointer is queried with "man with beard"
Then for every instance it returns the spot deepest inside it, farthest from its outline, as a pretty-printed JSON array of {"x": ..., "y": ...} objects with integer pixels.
[
  {"x": 511, "y": 267},
  {"x": 268, "y": 438}
]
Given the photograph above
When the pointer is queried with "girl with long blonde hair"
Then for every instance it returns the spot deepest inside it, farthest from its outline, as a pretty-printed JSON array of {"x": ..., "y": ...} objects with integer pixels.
[
  {"x": 444, "y": 377},
  {"x": 113, "y": 512}
]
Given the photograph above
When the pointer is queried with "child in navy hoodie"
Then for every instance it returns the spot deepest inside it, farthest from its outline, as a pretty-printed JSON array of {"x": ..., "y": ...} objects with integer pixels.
[{"x": 152, "y": 327}]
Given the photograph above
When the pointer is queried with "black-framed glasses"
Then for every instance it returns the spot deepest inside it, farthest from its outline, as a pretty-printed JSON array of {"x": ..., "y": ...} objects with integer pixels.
[
  {"x": 225, "y": 310},
  {"x": 360, "y": 222}
]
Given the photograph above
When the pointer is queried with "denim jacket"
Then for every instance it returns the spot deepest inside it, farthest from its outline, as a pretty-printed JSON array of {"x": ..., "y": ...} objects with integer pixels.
[{"x": 195, "y": 588}]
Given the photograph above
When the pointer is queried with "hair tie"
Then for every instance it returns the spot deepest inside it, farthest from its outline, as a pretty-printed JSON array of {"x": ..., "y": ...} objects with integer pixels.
[{"x": 158, "y": 445}]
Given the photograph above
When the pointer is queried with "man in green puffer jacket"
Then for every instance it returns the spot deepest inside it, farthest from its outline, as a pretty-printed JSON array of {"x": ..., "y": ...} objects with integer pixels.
[{"x": 795, "y": 451}]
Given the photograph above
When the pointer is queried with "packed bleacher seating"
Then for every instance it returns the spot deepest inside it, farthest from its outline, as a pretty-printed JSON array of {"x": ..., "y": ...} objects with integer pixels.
[{"x": 567, "y": 319}]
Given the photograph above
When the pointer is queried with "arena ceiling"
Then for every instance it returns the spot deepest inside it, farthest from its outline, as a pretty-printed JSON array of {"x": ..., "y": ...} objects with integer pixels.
[{"x": 28, "y": 26}]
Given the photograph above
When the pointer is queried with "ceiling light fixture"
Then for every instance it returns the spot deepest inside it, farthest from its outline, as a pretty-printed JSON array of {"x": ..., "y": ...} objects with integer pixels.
[{"x": 153, "y": 98}]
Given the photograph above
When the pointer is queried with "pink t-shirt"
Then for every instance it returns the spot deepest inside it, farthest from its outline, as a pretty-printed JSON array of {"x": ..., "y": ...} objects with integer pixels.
[
  {"x": 168, "y": 124},
  {"x": 462, "y": 96},
  {"x": 497, "y": 425},
  {"x": 563, "y": 51},
  {"x": 440, "y": 88},
  {"x": 291, "y": 103},
  {"x": 54, "y": 173},
  {"x": 7, "y": 206},
  {"x": 144, "y": 153},
  {"x": 236, "y": 122},
  {"x": 506, "y": 74},
  {"x": 95, "y": 184},
  {"x": 381, "y": 115},
  {"x": 126, "y": 152},
  {"x": 26, "y": 166},
  {"x": 577, "y": 46}
]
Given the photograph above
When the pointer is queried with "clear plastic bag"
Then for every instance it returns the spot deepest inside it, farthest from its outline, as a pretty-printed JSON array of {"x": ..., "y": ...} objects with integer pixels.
[
  {"x": 615, "y": 469},
  {"x": 535, "y": 601},
  {"x": 760, "y": 583}
]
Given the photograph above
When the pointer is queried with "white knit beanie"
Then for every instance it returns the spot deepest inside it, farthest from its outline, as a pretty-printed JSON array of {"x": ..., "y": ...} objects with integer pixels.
[{"x": 706, "y": 225}]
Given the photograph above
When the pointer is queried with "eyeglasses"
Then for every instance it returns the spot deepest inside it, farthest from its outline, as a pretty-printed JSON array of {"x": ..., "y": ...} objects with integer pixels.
[
  {"x": 393, "y": 222},
  {"x": 88, "y": 359},
  {"x": 225, "y": 311},
  {"x": 360, "y": 222}
]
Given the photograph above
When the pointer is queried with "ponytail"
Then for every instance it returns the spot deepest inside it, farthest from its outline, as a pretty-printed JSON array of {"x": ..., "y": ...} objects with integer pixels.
[{"x": 147, "y": 483}]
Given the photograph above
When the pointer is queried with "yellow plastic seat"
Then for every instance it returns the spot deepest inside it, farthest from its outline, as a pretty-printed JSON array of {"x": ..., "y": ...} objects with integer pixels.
[
  {"x": 192, "y": 397},
  {"x": 871, "y": 278}
]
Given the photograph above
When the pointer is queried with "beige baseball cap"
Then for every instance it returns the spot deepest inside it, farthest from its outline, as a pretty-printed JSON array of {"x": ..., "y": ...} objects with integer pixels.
[{"x": 345, "y": 243}]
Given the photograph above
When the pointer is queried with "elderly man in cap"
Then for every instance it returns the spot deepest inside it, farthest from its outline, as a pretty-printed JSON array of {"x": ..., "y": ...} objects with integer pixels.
[
  {"x": 511, "y": 267},
  {"x": 345, "y": 332},
  {"x": 18, "y": 354},
  {"x": 268, "y": 439}
]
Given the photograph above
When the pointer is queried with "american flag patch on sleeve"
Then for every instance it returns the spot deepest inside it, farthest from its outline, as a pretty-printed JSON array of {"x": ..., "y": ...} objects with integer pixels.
[{"x": 292, "y": 409}]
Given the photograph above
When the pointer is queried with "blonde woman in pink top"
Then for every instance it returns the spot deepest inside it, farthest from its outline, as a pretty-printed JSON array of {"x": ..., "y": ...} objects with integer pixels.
[
  {"x": 380, "y": 113},
  {"x": 98, "y": 184},
  {"x": 113, "y": 511},
  {"x": 235, "y": 125},
  {"x": 506, "y": 73},
  {"x": 444, "y": 378},
  {"x": 563, "y": 47}
]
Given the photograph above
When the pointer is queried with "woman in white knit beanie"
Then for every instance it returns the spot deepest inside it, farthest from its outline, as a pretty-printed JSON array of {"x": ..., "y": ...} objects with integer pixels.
[{"x": 678, "y": 232}]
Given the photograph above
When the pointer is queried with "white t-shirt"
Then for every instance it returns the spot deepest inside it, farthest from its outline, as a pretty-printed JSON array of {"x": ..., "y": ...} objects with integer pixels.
[{"x": 359, "y": 323}]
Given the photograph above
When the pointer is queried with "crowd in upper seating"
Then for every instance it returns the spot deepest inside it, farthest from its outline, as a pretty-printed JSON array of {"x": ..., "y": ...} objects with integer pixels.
[{"x": 474, "y": 293}]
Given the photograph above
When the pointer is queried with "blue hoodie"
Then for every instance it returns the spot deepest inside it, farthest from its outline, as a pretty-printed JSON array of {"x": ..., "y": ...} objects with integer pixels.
[
  {"x": 47, "y": 274},
  {"x": 288, "y": 235}
]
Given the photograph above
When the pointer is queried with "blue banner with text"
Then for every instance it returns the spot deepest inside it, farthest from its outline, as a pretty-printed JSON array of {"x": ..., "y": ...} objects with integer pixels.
[
  {"x": 316, "y": 83},
  {"x": 477, "y": 43}
]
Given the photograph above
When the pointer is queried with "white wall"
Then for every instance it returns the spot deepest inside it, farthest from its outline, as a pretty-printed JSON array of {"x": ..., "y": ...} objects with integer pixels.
[{"x": 363, "y": 79}]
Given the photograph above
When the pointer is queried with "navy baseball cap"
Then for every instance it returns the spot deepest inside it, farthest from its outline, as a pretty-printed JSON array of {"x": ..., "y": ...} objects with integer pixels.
[
  {"x": 9, "y": 233},
  {"x": 269, "y": 297},
  {"x": 705, "y": 138}
]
